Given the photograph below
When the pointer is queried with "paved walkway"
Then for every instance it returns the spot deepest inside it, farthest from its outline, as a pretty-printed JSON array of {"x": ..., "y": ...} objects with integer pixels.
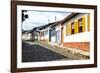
[
  {"x": 72, "y": 53},
  {"x": 33, "y": 52}
]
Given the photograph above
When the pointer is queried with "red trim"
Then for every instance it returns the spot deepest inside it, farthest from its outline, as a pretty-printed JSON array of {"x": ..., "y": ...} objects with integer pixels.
[{"x": 85, "y": 46}]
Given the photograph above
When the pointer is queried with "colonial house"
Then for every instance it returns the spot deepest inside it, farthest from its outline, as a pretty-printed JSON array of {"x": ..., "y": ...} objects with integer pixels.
[
  {"x": 50, "y": 33},
  {"x": 35, "y": 34},
  {"x": 56, "y": 32},
  {"x": 76, "y": 33},
  {"x": 45, "y": 32},
  {"x": 26, "y": 35},
  {"x": 73, "y": 31}
]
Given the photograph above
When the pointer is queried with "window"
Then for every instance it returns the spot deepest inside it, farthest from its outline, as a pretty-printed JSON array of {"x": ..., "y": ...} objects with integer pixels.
[
  {"x": 46, "y": 32},
  {"x": 80, "y": 25},
  {"x": 53, "y": 32},
  {"x": 72, "y": 27},
  {"x": 42, "y": 33}
]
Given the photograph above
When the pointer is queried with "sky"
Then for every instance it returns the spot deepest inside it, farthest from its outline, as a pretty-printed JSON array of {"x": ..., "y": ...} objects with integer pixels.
[{"x": 39, "y": 18}]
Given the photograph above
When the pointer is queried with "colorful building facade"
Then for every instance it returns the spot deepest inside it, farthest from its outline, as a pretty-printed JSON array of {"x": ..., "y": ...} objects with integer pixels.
[
  {"x": 73, "y": 31},
  {"x": 76, "y": 32}
]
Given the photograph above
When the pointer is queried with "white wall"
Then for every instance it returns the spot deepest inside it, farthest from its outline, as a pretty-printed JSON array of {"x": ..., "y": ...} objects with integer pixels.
[
  {"x": 47, "y": 35},
  {"x": 78, "y": 37},
  {"x": 26, "y": 36},
  {"x": 58, "y": 28},
  {"x": 53, "y": 39},
  {"x": 5, "y": 37},
  {"x": 42, "y": 37}
]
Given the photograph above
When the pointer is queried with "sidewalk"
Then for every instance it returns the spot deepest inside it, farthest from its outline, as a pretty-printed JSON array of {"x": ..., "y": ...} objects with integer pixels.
[
  {"x": 72, "y": 53},
  {"x": 66, "y": 51}
]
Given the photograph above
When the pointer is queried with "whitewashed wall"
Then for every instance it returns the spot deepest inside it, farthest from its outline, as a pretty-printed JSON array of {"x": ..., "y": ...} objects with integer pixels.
[
  {"x": 58, "y": 29},
  {"x": 53, "y": 39},
  {"x": 78, "y": 37},
  {"x": 26, "y": 36},
  {"x": 42, "y": 37},
  {"x": 46, "y": 35}
]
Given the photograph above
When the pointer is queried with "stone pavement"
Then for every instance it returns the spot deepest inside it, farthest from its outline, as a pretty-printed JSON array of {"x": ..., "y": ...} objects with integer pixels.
[
  {"x": 33, "y": 52},
  {"x": 72, "y": 53}
]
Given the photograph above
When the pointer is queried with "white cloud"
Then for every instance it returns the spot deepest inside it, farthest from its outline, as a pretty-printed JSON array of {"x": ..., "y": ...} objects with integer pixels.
[{"x": 37, "y": 18}]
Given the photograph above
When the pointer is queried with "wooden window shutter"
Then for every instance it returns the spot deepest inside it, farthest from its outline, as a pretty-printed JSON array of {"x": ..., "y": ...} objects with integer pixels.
[
  {"x": 76, "y": 26},
  {"x": 70, "y": 28},
  {"x": 84, "y": 23},
  {"x": 88, "y": 22},
  {"x": 66, "y": 29}
]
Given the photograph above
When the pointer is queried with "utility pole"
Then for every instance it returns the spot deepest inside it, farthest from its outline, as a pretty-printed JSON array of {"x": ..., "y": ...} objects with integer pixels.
[
  {"x": 48, "y": 20},
  {"x": 55, "y": 18}
]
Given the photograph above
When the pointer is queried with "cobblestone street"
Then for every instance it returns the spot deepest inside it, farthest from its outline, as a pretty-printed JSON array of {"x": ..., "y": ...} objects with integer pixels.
[
  {"x": 35, "y": 53},
  {"x": 45, "y": 51}
]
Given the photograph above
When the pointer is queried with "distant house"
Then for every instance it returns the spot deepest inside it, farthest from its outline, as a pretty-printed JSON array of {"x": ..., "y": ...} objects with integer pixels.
[
  {"x": 56, "y": 33},
  {"x": 26, "y": 35},
  {"x": 45, "y": 32},
  {"x": 35, "y": 32},
  {"x": 52, "y": 35}
]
